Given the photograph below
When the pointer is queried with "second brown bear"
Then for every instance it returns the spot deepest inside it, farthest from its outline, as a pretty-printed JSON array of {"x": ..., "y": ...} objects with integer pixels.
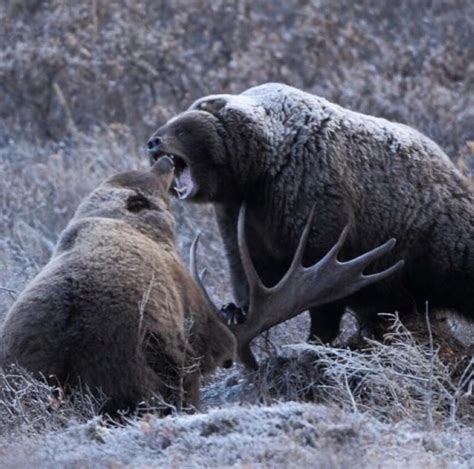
[{"x": 115, "y": 309}]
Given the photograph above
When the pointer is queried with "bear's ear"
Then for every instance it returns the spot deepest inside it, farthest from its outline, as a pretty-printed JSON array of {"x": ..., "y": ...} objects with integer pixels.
[
  {"x": 216, "y": 102},
  {"x": 212, "y": 104}
]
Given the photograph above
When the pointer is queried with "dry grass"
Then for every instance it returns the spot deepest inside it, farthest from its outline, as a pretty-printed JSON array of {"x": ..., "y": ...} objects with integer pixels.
[
  {"x": 31, "y": 406},
  {"x": 393, "y": 402},
  {"x": 68, "y": 67},
  {"x": 82, "y": 84},
  {"x": 284, "y": 435},
  {"x": 394, "y": 380}
]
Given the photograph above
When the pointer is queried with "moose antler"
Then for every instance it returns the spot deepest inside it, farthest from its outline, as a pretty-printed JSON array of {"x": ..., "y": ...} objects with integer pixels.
[{"x": 301, "y": 288}]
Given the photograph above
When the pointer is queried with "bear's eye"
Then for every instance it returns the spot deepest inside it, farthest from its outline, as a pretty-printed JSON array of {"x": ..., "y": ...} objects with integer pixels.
[{"x": 138, "y": 202}]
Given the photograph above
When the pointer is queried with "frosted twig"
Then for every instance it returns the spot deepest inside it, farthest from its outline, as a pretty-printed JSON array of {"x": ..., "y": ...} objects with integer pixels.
[
  {"x": 429, "y": 387},
  {"x": 10, "y": 291}
]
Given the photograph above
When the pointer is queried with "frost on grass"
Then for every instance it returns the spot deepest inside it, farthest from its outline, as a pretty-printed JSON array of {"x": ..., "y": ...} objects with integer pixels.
[
  {"x": 283, "y": 435},
  {"x": 398, "y": 379},
  {"x": 311, "y": 405},
  {"x": 83, "y": 84},
  {"x": 31, "y": 406},
  {"x": 393, "y": 380}
]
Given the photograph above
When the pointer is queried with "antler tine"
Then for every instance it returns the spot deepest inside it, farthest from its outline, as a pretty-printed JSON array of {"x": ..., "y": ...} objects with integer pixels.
[
  {"x": 253, "y": 278},
  {"x": 364, "y": 260},
  {"x": 368, "y": 279},
  {"x": 194, "y": 269},
  {"x": 296, "y": 263},
  {"x": 298, "y": 258},
  {"x": 334, "y": 251},
  {"x": 301, "y": 288}
]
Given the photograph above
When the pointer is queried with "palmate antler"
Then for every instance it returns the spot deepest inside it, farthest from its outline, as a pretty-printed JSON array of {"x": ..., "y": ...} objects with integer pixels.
[{"x": 301, "y": 288}]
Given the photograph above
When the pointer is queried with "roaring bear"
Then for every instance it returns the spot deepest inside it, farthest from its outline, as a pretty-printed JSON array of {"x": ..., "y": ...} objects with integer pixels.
[
  {"x": 114, "y": 309},
  {"x": 281, "y": 151}
]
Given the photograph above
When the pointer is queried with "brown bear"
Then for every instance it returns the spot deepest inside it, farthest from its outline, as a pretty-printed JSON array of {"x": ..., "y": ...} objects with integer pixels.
[
  {"x": 114, "y": 309},
  {"x": 282, "y": 151}
]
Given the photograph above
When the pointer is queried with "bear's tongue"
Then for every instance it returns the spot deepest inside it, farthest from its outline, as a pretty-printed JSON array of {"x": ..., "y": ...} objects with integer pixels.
[{"x": 184, "y": 183}]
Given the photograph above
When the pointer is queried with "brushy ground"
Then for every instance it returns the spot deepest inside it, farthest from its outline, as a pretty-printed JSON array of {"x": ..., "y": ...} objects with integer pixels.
[{"x": 82, "y": 84}]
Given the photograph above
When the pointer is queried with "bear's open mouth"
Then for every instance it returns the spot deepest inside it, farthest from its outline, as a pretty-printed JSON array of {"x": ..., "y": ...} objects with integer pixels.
[{"x": 183, "y": 183}]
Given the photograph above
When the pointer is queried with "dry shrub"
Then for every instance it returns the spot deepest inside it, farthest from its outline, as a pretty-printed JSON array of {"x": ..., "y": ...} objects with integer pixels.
[
  {"x": 40, "y": 188},
  {"x": 287, "y": 434},
  {"x": 397, "y": 379},
  {"x": 34, "y": 405},
  {"x": 82, "y": 85},
  {"x": 71, "y": 66},
  {"x": 29, "y": 405}
]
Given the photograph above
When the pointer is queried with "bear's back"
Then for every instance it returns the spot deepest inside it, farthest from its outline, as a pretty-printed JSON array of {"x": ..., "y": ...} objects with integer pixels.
[{"x": 90, "y": 293}]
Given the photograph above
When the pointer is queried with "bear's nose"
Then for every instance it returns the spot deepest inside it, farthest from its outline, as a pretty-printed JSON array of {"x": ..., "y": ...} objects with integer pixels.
[
  {"x": 228, "y": 363},
  {"x": 154, "y": 145}
]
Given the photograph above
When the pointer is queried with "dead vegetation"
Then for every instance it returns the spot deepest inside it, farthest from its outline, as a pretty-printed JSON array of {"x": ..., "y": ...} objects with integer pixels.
[
  {"x": 288, "y": 434},
  {"x": 83, "y": 84},
  {"x": 68, "y": 67},
  {"x": 400, "y": 378},
  {"x": 31, "y": 406},
  {"x": 389, "y": 402}
]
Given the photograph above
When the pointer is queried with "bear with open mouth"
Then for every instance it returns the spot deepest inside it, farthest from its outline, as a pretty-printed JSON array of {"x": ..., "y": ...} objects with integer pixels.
[{"x": 281, "y": 150}]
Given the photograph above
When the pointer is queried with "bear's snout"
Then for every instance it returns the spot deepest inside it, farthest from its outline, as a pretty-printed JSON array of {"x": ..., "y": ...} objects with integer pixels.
[{"x": 154, "y": 145}]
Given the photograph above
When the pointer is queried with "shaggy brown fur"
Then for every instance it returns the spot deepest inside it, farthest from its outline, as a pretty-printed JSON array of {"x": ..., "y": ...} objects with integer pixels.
[
  {"x": 114, "y": 308},
  {"x": 281, "y": 150}
]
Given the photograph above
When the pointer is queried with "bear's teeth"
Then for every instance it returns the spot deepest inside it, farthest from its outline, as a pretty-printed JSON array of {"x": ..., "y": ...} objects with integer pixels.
[{"x": 184, "y": 184}]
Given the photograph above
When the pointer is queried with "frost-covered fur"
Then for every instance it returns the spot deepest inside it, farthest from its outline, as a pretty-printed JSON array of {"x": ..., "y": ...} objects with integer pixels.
[
  {"x": 281, "y": 150},
  {"x": 114, "y": 308}
]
